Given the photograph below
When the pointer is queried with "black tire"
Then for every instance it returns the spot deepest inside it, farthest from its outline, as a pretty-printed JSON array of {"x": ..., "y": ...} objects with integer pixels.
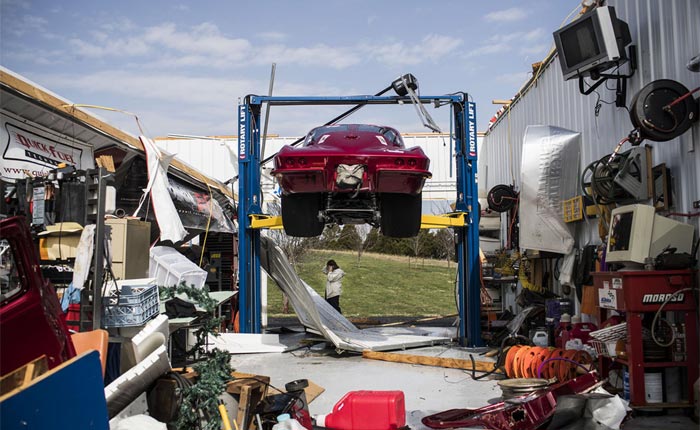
[
  {"x": 300, "y": 214},
  {"x": 401, "y": 214}
]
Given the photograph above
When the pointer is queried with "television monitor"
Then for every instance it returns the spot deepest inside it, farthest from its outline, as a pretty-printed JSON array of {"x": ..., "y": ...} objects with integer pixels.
[
  {"x": 637, "y": 232},
  {"x": 592, "y": 44}
]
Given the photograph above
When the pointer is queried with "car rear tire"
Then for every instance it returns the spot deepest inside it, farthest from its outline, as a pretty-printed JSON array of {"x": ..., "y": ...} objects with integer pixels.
[
  {"x": 300, "y": 214},
  {"x": 401, "y": 214}
]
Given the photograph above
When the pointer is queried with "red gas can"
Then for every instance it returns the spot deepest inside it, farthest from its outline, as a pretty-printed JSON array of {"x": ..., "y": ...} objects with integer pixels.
[{"x": 366, "y": 410}]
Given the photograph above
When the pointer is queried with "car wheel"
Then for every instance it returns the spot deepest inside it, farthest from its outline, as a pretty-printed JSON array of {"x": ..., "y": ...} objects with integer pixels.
[
  {"x": 300, "y": 214},
  {"x": 401, "y": 214}
]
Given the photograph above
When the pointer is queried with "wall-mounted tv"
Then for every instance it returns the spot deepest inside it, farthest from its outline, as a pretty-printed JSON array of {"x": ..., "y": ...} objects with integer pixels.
[{"x": 592, "y": 44}]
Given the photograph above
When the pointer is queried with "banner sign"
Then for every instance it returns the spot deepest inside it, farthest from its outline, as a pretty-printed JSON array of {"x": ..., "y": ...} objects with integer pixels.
[
  {"x": 197, "y": 209},
  {"x": 26, "y": 153}
]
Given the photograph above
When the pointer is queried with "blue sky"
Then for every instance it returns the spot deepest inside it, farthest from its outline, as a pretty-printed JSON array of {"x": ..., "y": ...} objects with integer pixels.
[{"x": 182, "y": 66}]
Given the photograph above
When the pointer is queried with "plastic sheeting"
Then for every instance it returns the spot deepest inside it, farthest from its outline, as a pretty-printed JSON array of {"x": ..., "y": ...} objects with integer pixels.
[
  {"x": 168, "y": 220},
  {"x": 320, "y": 317},
  {"x": 549, "y": 175}
]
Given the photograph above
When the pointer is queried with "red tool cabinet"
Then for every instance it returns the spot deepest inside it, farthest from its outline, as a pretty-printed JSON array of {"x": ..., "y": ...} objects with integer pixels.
[{"x": 640, "y": 294}]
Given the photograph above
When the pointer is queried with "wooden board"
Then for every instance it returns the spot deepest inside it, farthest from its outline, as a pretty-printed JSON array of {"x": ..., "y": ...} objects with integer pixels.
[
  {"x": 24, "y": 375},
  {"x": 452, "y": 363},
  {"x": 69, "y": 396}
]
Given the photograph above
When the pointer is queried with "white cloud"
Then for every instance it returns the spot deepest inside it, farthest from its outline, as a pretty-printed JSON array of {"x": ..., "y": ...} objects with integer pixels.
[
  {"x": 272, "y": 36},
  {"x": 110, "y": 47},
  {"x": 507, "y": 15},
  {"x": 534, "y": 49},
  {"x": 203, "y": 39},
  {"x": 317, "y": 55},
  {"x": 25, "y": 24},
  {"x": 182, "y": 7},
  {"x": 432, "y": 47},
  {"x": 500, "y": 43}
]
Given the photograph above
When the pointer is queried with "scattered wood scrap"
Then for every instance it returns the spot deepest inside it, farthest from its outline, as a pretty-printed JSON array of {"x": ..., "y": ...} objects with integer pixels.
[
  {"x": 452, "y": 363},
  {"x": 24, "y": 375}
]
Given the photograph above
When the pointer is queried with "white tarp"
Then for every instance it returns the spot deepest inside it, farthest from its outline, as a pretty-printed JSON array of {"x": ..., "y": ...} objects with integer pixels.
[
  {"x": 549, "y": 175},
  {"x": 167, "y": 217},
  {"x": 320, "y": 317}
]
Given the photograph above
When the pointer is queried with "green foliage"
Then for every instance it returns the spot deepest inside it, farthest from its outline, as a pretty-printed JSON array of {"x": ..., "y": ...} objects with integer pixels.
[
  {"x": 349, "y": 239},
  {"x": 199, "y": 407},
  {"x": 380, "y": 285}
]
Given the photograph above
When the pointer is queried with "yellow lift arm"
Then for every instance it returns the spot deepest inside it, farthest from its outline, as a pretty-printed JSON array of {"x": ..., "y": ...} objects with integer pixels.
[{"x": 452, "y": 219}]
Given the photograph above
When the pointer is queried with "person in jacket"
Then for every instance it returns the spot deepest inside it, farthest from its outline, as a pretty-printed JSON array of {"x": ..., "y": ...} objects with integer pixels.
[{"x": 334, "y": 286}]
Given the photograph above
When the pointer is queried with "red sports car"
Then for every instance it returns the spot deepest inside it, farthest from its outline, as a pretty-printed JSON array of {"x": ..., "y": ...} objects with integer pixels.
[{"x": 351, "y": 174}]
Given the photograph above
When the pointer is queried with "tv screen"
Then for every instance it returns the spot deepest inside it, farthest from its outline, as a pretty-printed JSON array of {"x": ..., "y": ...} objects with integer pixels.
[
  {"x": 621, "y": 232},
  {"x": 592, "y": 44},
  {"x": 580, "y": 43}
]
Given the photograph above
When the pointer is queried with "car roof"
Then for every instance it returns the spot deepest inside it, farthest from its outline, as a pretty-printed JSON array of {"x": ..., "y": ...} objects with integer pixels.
[{"x": 389, "y": 133}]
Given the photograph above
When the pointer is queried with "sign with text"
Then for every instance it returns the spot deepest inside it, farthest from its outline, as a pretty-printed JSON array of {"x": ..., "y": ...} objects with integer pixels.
[{"x": 28, "y": 153}]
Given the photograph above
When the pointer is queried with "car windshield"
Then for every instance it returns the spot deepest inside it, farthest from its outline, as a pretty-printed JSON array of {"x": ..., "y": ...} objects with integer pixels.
[{"x": 391, "y": 135}]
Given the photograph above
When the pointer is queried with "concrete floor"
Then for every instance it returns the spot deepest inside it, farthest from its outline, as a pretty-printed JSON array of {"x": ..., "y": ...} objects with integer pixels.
[{"x": 427, "y": 389}]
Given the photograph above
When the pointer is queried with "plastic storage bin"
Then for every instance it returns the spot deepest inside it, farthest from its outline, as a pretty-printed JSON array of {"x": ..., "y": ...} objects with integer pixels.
[
  {"x": 133, "y": 306},
  {"x": 170, "y": 268}
]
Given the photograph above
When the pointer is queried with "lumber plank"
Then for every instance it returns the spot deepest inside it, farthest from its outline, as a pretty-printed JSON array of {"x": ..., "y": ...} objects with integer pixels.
[
  {"x": 24, "y": 375},
  {"x": 452, "y": 363}
]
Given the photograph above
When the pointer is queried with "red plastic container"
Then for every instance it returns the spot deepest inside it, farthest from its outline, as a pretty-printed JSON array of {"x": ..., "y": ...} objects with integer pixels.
[{"x": 366, "y": 410}]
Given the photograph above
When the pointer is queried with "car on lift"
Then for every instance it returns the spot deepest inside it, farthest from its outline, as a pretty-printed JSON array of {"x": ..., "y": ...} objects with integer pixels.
[{"x": 351, "y": 174}]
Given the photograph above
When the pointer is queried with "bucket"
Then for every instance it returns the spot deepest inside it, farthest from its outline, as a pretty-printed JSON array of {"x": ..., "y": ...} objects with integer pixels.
[{"x": 654, "y": 387}]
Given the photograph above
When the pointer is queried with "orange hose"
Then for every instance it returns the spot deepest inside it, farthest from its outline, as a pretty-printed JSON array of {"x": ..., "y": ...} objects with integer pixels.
[
  {"x": 539, "y": 358},
  {"x": 566, "y": 369},
  {"x": 518, "y": 361},
  {"x": 510, "y": 357}
]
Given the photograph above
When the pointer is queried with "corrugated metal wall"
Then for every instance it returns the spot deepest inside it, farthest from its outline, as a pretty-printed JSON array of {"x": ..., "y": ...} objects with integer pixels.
[{"x": 667, "y": 35}]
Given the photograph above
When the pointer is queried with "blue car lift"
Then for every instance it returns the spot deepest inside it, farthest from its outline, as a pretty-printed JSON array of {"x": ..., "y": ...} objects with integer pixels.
[{"x": 250, "y": 202}]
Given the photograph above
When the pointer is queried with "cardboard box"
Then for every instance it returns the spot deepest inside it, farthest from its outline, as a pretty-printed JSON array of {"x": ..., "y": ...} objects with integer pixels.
[{"x": 60, "y": 241}]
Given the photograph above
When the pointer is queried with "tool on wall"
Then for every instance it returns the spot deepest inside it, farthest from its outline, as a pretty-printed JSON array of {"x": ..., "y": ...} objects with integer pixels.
[{"x": 663, "y": 110}]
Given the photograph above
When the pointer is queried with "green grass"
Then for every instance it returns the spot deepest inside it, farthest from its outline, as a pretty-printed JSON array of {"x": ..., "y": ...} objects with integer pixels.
[{"x": 379, "y": 285}]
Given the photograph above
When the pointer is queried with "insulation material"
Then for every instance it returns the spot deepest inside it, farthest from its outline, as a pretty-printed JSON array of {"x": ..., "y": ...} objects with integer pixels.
[
  {"x": 125, "y": 389},
  {"x": 246, "y": 343},
  {"x": 319, "y": 317},
  {"x": 549, "y": 175},
  {"x": 168, "y": 220}
]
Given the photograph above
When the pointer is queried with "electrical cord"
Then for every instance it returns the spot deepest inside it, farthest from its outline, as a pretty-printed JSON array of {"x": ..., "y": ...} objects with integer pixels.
[{"x": 656, "y": 317}]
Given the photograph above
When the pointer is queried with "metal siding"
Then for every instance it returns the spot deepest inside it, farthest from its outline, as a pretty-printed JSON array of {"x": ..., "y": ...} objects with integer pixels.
[{"x": 667, "y": 35}]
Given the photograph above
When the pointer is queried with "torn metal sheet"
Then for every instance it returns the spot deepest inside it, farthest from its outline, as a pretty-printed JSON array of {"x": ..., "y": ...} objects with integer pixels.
[
  {"x": 549, "y": 175},
  {"x": 320, "y": 317},
  {"x": 246, "y": 343}
]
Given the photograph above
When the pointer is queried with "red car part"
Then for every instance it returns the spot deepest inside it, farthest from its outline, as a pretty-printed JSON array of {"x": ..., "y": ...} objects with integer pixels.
[
  {"x": 30, "y": 316},
  {"x": 530, "y": 412}
]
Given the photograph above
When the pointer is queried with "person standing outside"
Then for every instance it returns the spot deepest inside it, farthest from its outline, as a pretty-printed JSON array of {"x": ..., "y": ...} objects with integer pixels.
[{"x": 334, "y": 286}]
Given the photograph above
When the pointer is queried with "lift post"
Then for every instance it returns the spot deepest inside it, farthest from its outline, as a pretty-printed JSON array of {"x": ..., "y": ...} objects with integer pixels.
[{"x": 250, "y": 201}]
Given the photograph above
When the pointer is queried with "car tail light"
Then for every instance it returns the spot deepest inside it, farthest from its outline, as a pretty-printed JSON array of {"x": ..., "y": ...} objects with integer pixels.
[
  {"x": 398, "y": 161},
  {"x": 289, "y": 161},
  {"x": 412, "y": 162},
  {"x": 302, "y": 161}
]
